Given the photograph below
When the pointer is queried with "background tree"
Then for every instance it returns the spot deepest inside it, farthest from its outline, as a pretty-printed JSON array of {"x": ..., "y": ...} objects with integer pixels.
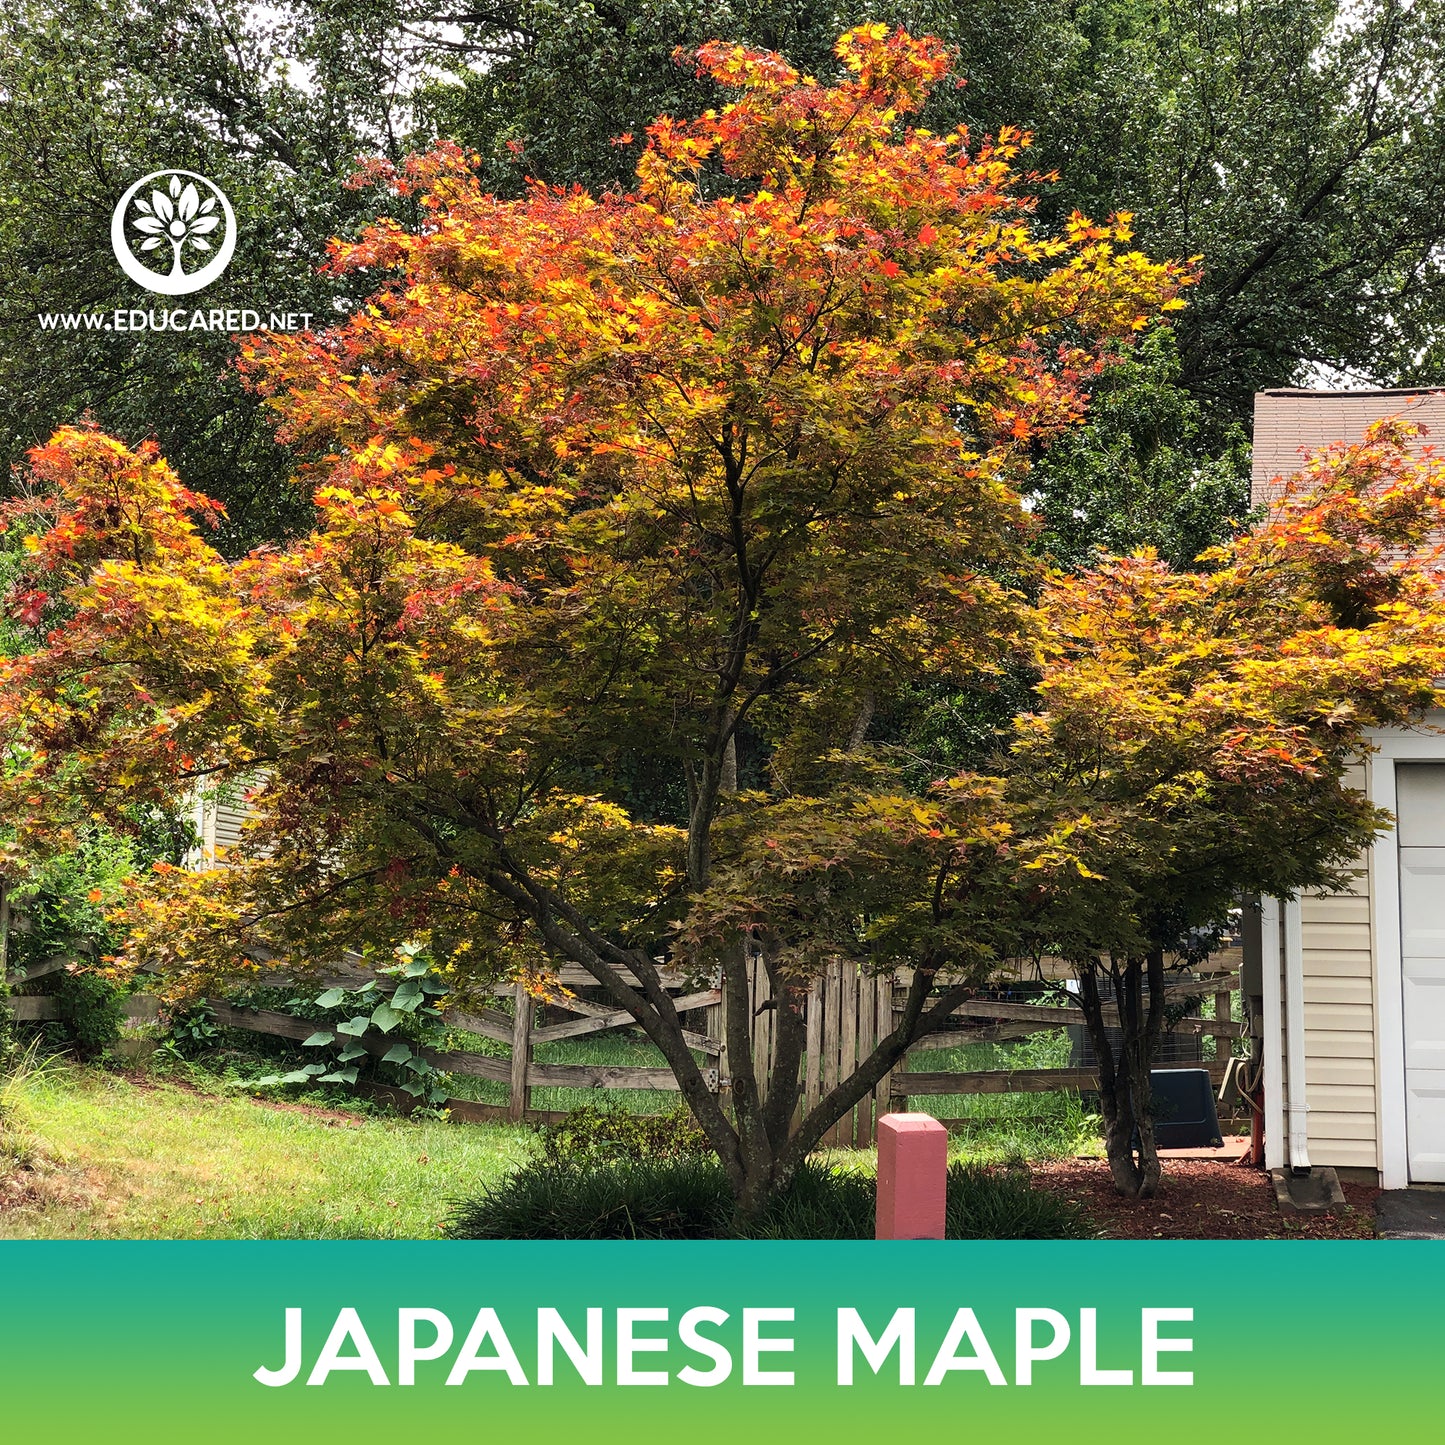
[
  {"x": 275, "y": 110},
  {"x": 1296, "y": 148},
  {"x": 599, "y": 475},
  {"x": 1147, "y": 469}
]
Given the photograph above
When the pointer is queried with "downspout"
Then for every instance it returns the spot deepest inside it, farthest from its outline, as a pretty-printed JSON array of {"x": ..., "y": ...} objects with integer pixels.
[
  {"x": 1294, "y": 1004},
  {"x": 1272, "y": 1042},
  {"x": 196, "y": 858}
]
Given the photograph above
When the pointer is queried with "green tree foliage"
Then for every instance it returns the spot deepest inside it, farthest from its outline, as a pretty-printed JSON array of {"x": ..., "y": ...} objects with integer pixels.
[
  {"x": 95, "y": 95},
  {"x": 1297, "y": 148},
  {"x": 1143, "y": 471},
  {"x": 551, "y": 86}
]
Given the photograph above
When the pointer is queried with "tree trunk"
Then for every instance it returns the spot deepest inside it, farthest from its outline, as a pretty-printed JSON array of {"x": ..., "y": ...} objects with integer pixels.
[
  {"x": 773, "y": 1142},
  {"x": 757, "y": 1139},
  {"x": 1125, "y": 1092}
]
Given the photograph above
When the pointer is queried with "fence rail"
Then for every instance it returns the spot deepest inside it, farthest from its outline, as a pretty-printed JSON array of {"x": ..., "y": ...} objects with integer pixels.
[{"x": 846, "y": 1014}]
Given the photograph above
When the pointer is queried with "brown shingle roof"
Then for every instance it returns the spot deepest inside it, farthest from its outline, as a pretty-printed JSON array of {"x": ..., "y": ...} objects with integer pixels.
[{"x": 1287, "y": 420}]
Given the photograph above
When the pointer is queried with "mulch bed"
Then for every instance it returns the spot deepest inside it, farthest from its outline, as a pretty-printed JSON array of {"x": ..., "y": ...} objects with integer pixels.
[{"x": 1200, "y": 1199}]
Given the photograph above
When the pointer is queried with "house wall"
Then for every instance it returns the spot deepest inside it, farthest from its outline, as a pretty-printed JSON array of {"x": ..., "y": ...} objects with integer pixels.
[
  {"x": 1343, "y": 1057},
  {"x": 227, "y": 824},
  {"x": 1340, "y": 1053},
  {"x": 219, "y": 828},
  {"x": 1340, "y": 1027}
]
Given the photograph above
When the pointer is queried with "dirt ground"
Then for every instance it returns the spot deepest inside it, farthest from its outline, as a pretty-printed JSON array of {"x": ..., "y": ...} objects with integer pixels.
[
  {"x": 1201, "y": 1199},
  {"x": 335, "y": 1117}
]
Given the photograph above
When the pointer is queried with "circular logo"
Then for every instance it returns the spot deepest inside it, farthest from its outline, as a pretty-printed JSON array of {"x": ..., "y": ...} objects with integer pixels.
[{"x": 179, "y": 220}]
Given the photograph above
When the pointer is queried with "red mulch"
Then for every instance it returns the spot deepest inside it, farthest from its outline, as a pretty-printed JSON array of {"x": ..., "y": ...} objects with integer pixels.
[{"x": 1200, "y": 1199}]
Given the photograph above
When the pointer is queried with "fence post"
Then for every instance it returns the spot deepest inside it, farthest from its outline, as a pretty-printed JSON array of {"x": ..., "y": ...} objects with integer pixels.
[
  {"x": 813, "y": 1088},
  {"x": 717, "y": 1030},
  {"x": 867, "y": 1042},
  {"x": 760, "y": 993},
  {"x": 521, "y": 1054},
  {"x": 897, "y": 1086},
  {"x": 912, "y": 1177},
  {"x": 848, "y": 1044},
  {"x": 832, "y": 1015},
  {"x": 1223, "y": 1013}
]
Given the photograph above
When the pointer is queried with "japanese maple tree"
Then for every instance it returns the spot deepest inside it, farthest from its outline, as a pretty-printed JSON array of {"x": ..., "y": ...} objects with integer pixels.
[
  {"x": 691, "y": 477},
  {"x": 1196, "y": 734}
]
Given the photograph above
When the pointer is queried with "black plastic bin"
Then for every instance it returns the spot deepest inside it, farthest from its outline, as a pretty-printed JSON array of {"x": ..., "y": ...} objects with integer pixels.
[{"x": 1184, "y": 1116}]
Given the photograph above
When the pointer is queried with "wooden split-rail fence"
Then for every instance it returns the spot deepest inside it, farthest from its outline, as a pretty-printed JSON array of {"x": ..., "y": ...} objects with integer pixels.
[{"x": 846, "y": 1013}]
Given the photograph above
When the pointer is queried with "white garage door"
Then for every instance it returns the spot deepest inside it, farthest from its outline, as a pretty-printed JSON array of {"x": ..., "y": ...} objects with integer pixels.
[{"x": 1420, "y": 807}]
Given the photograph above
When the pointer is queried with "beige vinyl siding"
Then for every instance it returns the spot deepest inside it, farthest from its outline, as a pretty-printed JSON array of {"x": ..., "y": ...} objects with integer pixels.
[
  {"x": 228, "y": 826},
  {"x": 1339, "y": 989},
  {"x": 220, "y": 824},
  {"x": 1340, "y": 1026}
]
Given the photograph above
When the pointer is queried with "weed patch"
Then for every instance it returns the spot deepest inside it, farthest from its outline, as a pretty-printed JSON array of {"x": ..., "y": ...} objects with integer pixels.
[{"x": 591, "y": 1135}]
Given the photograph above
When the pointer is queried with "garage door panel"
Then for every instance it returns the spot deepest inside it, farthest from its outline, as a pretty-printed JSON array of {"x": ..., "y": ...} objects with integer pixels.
[
  {"x": 1420, "y": 804},
  {"x": 1422, "y": 902},
  {"x": 1425, "y": 1125},
  {"x": 1420, "y": 807},
  {"x": 1424, "y": 1022}
]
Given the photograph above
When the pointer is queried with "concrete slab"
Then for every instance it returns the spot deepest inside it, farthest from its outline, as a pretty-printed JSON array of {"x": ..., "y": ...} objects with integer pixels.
[
  {"x": 1317, "y": 1192},
  {"x": 1410, "y": 1214}
]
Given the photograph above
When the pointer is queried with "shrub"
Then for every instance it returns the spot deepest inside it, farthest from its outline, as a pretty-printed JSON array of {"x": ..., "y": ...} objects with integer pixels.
[
  {"x": 689, "y": 1198},
  {"x": 407, "y": 1018},
  {"x": 590, "y": 1134},
  {"x": 92, "y": 1010},
  {"x": 63, "y": 906},
  {"x": 619, "y": 1199},
  {"x": 820, "y": 1202},
  {"x": 1001, "y": 1204}
]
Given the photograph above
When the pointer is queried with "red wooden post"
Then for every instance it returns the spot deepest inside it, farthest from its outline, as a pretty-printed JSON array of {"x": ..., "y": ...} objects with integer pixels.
[{"x": 912, "y": 1176}]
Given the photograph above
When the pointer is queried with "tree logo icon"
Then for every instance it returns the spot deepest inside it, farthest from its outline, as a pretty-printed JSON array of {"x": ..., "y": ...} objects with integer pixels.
[{"x": 175, "y": 217}]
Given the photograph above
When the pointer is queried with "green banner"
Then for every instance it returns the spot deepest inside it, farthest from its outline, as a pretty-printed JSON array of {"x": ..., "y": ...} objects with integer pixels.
[{"x": 722, "y": 1342}]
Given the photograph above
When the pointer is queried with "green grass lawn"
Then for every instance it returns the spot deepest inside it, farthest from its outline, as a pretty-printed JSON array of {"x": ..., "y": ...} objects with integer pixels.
[
  {"x": 183, "y": 1156},
  {"x": 132, "y": 1158}
]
